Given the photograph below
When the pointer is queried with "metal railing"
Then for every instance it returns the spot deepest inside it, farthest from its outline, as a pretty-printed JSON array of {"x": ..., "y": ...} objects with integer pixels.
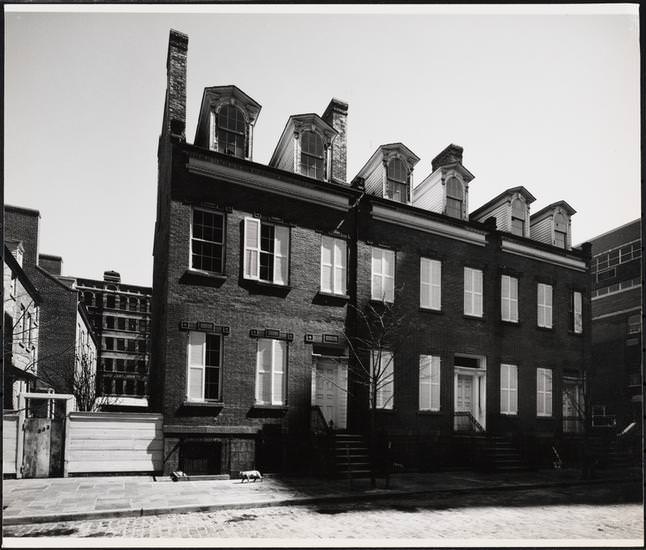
[
  {"x": 464, "y": 421},
  {"x": 318, "y": 424}
]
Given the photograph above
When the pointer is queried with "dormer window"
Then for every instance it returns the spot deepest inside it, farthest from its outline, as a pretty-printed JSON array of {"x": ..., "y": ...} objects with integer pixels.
[
  {"x": 454, "y": 198},
  {"x": 397, "y": 175},
  {"x": 560, "y": 230},
  {"x": 518, "y": 217},
  {"x": 226, "y": 121},
  {"x": 230, "y": 132},
  {"x": 312, "y": 156}
]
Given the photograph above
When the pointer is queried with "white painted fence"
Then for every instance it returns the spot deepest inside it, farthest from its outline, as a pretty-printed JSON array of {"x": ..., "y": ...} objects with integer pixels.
[
  {"x": 107, "y": 442},
  {"x": 9, "y": 442}
]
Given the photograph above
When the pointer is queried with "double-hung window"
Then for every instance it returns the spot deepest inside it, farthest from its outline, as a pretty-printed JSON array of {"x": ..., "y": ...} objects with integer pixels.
[
  {"x": 383, "y": 275},
  {"x": 508, "y": 389},
  {"x": 271, "y": 372},
  {"x": 544, "y": 303},
  {"x": 518, "y": 217},
  {"x": 509, "y": 298},
  {"x": 207, "y": 242},
  {"x": 266, "y": 252},
  {"x": 204, "y": 367},
  {"x": 577, "y": 312},
  {"x": 429, "y": 383},
  {"x": 333, "y": 265},
  {"x": 231, "y": 131},
  {"x": 454, "y": 198},
  {"x": 472, "y": 292},
  {"x": 382, "y": 375},
  {"x": 312, "y": 156},
  {"x": 544, "y": 392},
  {"x": 397, "y": 176},
  {"x": 430, "y": 284}
]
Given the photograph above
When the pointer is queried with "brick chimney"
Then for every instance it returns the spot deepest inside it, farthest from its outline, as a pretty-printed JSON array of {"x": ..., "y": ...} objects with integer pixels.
[
  {"x": 21, "y": 224},
  {"x": 175, "y": 105},
  {"x": 51, "y": 264},
  {"x": 336, "y": 116},
  {"x": 450, "y": 155}
]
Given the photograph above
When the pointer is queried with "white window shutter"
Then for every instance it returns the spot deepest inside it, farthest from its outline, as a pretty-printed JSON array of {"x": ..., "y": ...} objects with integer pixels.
[
  {"x": 263, "y": 371},
  {"x": 389, "y": 275},
  {"x": 425, "y": 288},
  {"x": 251, "y": 262},
  {"x": 196, "y": 353},
  {"x": 436, "y": 284},
  {"x": 326, "y": 264},
  {"x": 425, "y": 363},
  {"x": 435, "y": 383},
  {"x": 278, "y": 372},
  {"x": 377, "y": 275},
  {"x": 281, "y": 254},
  {"x": 340, "y": 260},
  {"x": 513, "y": 388}
]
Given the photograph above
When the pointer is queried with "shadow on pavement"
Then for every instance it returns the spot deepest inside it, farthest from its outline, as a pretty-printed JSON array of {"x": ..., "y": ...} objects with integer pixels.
[{"x": 624, "y": 493}]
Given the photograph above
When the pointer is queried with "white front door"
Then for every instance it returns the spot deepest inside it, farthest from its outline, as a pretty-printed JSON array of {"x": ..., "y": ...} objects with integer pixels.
[
  {"x": 329, "y": 391},
  {"x": 464, "y": 398},
  {"x": 572, "y": 407}
]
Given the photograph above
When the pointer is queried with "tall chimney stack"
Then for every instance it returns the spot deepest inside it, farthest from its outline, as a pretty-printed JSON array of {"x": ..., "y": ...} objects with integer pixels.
[
  {"x": 175, "y": 106},
  {"x": 336, "y": 116}
]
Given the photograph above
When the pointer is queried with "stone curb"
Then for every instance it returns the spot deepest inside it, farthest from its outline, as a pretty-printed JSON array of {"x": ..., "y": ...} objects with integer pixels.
[{"x": 295, "y": 501}]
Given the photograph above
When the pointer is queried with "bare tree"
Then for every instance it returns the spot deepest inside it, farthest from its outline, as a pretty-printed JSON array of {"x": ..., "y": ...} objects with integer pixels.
[{"x": 379, "y": 334}]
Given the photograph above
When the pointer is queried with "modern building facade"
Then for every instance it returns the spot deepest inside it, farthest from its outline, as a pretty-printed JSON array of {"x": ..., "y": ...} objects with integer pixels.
[
  {"x": 120, "y": 315},
  {"x": 67, "y": 347},
  {"x": 266, "y": 278},
  {"x": 616, "y": 369}
]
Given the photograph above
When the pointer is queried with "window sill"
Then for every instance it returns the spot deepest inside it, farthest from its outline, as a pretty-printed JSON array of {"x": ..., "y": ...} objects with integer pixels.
[
  {"x": 202, "y": 404},
  {"x": 544, "y": 417},
  {"x": 430, "y": 310},
  {"x": 510, "y": 414},
  {"x": 267, "y": 411},
  {"x": 264, "y": 287},
  {"x": 203, "y": 278},
  {"x": 545, "y": 329},
  {"x": 430, "y": 413},
  {"x": 577, "y": 334},
  {"x": 474, "y": 317},
  {"x": 330, "y": 299},
  {"x": 509, "y": 323},
  {"x": 386, "y": 411}
]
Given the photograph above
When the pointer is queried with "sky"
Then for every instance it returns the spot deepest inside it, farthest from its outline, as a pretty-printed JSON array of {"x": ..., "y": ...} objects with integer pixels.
[{"x": 545, "y": 100}]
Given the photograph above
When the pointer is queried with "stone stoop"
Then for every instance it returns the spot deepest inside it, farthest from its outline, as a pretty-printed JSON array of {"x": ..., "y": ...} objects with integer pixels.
[
  {"x": 351, "y": 455},
  {"x": 503, "y": 456}
]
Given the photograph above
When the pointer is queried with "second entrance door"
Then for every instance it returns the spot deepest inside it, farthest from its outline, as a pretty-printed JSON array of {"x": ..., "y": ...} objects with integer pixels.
[{"x": 329, "y": 391}]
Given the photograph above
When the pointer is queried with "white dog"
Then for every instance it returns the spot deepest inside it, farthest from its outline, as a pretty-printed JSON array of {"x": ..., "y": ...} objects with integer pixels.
[{"x": 249, "y": 475}]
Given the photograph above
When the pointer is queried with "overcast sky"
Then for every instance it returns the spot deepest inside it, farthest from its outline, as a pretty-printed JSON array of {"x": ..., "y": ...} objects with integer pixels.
[{"x": 547, "y": 101}]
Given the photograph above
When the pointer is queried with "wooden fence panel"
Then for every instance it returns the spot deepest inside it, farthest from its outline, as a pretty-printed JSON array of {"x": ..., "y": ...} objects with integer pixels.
[
  {"x": 107, "y": 442},
  {"x": 9, "y": 443}
]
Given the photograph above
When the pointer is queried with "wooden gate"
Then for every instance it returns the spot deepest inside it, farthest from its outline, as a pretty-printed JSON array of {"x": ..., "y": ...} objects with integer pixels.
[{"x": 44, "y": 437}]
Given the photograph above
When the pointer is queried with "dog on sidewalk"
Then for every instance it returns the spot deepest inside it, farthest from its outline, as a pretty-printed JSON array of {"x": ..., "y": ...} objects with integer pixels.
[{"x": 249, "y": 475}]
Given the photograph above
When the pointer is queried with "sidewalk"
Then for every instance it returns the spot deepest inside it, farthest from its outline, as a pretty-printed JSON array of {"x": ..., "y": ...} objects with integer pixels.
[{"x": 65, "y": 499}]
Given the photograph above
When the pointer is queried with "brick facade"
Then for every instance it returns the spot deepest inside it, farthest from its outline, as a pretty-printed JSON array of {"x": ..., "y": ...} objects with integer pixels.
[
  {"x": 617, "y": 321},
  {"x": 243, "y": 434}
]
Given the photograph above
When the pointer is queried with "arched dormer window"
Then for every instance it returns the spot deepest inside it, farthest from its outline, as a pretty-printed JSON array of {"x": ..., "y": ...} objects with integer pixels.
[
  {"x": 518, "y": 217},
  {"x": 312, "y": 155},
  {"x": 560, "y": 230},
  {"x": 231, "y": 130},
  {"x": 397, "y": 176},
  {"x": 454, "y": 198}
]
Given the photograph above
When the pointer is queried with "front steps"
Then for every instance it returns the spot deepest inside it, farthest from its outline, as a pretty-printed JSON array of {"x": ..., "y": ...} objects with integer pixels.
[
  {"x": 351, "y": 456},
  {"x": 502, "y": 456}
]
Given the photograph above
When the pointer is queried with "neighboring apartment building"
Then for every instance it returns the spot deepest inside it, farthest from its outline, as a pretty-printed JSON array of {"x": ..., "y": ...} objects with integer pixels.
[
  {"x": 21, "y": 307},
  {"x": 262, "y": 272},
  {"x": 120, "y": 315},
  {"x": 616, "y": 368},
  {"x": 66, "y": 341}
]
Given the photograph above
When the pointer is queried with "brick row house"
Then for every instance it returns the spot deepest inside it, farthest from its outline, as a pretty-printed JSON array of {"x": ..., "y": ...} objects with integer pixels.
[
  {"x": 67, "y": 346},
  {"x": 263, "y": 275},
  {"x": 21, "y": 309}
]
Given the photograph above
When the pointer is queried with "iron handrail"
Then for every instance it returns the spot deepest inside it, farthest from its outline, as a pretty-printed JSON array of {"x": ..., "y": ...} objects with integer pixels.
[{"x": 475, "y": 425}]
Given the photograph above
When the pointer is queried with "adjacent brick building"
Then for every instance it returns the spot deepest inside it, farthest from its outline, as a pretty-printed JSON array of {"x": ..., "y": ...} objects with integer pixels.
[
  {"x": 66, "y": 341},
  {"x": 21, "y": 308},
  {"x": 616, "y": 369},
  {"x": 120, "y": 315},
  {"x": 263, "y": 275}
]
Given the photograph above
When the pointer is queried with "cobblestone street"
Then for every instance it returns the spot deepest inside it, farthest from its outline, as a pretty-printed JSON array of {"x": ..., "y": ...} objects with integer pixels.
[{"x": 592, "y": 512}]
